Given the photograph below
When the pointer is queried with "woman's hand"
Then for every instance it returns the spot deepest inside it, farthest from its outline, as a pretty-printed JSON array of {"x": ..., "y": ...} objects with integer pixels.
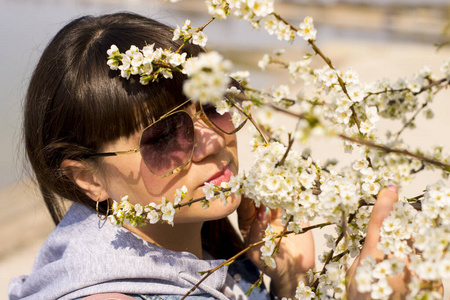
[
  {"x": 381, "y": 210},
  {"x": 296, "y": 252}
]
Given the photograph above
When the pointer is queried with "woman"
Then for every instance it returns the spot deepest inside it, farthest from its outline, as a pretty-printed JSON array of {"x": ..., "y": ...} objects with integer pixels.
[{"x": 76, "y": 110}]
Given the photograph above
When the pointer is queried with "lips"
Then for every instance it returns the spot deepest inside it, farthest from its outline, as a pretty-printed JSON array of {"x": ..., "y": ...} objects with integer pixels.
[{"x": 222, "y": 176}]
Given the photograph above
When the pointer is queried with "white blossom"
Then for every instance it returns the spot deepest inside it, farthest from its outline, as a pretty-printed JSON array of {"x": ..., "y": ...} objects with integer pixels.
[
  {"x": 304, "y": 292},
  {"x": 209, "y": 190},
  {"x": 168, "y": 211},
  {"x": 307, "y": 30},
  {"x": 262, "y": 64},
  {"x": 199, "y": 38},
  {"x": 207, "y": 80}
]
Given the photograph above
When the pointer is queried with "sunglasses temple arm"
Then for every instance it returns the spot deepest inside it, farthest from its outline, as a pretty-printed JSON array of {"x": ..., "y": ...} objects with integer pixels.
[
  {"x": 263, "y": 135},
  {"x": 107, "y": 154}
]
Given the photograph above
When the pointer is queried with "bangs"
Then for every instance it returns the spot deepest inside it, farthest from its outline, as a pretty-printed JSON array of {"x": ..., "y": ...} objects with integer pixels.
[
  {"x": 126, "y": 106},
  {"x": 106, "y": 106}
]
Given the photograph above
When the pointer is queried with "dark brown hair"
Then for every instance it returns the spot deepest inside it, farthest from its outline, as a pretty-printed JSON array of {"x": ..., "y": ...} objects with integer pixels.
[{"x": 75, "y": 103}]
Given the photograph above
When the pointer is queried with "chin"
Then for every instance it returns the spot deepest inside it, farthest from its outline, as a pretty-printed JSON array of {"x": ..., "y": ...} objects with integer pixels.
[{"x": 216, "y": 211}]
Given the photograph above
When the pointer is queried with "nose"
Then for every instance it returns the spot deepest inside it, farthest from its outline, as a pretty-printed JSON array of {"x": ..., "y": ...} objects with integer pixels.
[{"x": 208, "y": 141}]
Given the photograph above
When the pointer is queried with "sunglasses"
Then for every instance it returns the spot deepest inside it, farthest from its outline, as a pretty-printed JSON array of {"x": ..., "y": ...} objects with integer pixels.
[{"x": 167, "y": 145}]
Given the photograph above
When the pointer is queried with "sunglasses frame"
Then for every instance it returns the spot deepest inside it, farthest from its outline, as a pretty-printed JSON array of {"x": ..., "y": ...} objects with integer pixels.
[{"x": 203, "y": 117}]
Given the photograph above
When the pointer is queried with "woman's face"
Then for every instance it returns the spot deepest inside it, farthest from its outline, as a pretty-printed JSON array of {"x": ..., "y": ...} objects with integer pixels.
[{"x": 213, "y": 159}]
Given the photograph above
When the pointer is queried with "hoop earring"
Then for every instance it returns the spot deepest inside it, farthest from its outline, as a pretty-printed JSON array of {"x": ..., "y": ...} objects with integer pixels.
[{"x": 107, "y": 210}]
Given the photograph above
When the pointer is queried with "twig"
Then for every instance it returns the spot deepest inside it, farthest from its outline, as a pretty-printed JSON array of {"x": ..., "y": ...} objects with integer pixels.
[
  {"x": 268, "y": 94},
  {"x": 424, "y": 88},
  {"x": 233, "y": 258},
  {"x": 397, "y": 135},
  {"x": 191, "y": 201},
  {"x": 278, "y": 62},
  {"x": 330, "y": 256},
  {"x": 290, "y": 143},
  {"x": 255, "y": 124},
  {"x": 432, "y": 84},
  {"x": 330, "y": 64},
  {"x": 198, "y": 30},
  {"x": 386, "y": 149}
]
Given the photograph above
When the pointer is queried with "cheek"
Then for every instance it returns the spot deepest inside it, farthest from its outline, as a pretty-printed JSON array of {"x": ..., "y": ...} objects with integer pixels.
[
  {"x": 156, "y": 187},
  {"x": 231, "y": 144},
  {"x": 129, "y": 176}
]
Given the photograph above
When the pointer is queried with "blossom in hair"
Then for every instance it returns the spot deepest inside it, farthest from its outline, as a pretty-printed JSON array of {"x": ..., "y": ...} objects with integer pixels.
[
  {"x": 148, "y": 63},
  {"x": 196, "y": 37},
  {"x": 113, "y": 56},
  {"x": 207, "y": 80},
  {"x": 199, "y": 38}
]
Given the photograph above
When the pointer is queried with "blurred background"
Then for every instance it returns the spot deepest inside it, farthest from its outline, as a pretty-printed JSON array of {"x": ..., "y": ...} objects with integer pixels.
[{"x": 384, "y": 38}]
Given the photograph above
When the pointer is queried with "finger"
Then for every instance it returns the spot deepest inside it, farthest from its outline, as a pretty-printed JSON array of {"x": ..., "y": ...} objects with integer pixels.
[
  {"x": 275, "y": 214},
  {"x": 246, "y": 215},
  {"x": 381, "y": 210},
  {"x": 256, "y": 232}
]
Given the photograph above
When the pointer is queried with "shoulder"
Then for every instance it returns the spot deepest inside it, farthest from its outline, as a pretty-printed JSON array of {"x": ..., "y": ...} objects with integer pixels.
[
  {"x": 117, "y": 296},
  {"x": 108, "y": 296}
]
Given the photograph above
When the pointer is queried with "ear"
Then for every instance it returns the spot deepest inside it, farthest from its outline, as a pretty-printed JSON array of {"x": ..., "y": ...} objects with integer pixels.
[{"x": 85, "y": 178}]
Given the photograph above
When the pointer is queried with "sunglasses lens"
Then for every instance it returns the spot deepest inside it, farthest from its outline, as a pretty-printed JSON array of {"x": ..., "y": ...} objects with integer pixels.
[
  {"x": 228, "y": 122},
  {"x": 168, "y": 143}
]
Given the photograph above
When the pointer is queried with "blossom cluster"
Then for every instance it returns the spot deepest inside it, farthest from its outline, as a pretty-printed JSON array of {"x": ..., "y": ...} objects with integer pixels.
[
  {"x": 333, "y": 102},
  {"x": 373, "y": 277},
  {"x": 138, "y": 215},
  {"x": 342, "y": 193},
  {"x": 429, "y": 229},
  {"x": 226, "y": 189},
  {"x": 149, "y": 63},
  {"x": 262, "y": 11},
  {"x": 284, "y": 31},
  {"x": 207, "y": 80},
  {"x": 276, "y": 181},
  {"x": 249, "y": 10},
  {"x": 197, "y": 37},
  {"x": 304, "y": 292},
  {"x": 207, "y": 77},
  {"x": 269, "y": 247}
]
